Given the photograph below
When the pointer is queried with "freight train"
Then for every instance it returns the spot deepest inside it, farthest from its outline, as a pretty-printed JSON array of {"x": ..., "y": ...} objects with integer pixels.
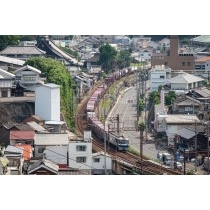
[{"x": 98, "y": 128}]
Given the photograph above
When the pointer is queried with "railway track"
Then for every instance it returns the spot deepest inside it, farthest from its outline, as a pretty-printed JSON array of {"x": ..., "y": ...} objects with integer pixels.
[{"x": 147, "y": 166}]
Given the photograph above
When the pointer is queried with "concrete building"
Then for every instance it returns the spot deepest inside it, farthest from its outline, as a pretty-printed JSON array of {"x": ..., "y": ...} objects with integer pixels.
[
  {"x": 159, "y": 76},
  {"x": 173, "y": 59},
  {"x": 98, "y": 161},
  {"x": 80, "y": 156},
  {"x": 47, "y": 102}
]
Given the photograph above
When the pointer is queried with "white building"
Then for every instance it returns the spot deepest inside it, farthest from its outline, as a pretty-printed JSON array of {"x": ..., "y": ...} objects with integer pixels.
[
  {"x": 80, "y": 156},
  {"x": 98, "y": 163},
  {"x": 47, "y": 141},
  {"x": 6, "y": 83},
  {"x": 47, "y": 102},
  {"x": 145, "y": 54},
  {"x": 28, "y": 76},
  {"x": 185, "y": 82},
  {"x": 159, "y": 76}
]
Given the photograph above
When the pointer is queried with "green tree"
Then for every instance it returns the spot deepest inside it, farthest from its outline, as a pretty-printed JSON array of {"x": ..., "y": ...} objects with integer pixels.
[
  {"x": 57, "y": 73},
  {"x": 123, "y": 59},
  {"x": 169, "y": 97},
  {"x": 107, "y": 57},
  {"x": 6, "y": 40},
  {"x": 154, "y": 97},
  {"x": 71, "y": 52}
]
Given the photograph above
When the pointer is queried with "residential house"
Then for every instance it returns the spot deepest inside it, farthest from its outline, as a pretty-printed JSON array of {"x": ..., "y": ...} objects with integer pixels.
[
  {"x": 22, "y": 52},
  {"x": 80, "y": 156},
  {"x": 10, "y": 64},
  {"x": 185, "y": 140},
  {"x": 28, "y": 76},
  {"x": 5, "y": 129},
  {"x": 187, "y": 105},
  {"x": 202, "y": 67},
  {"x": 90, "y": 42},
  {"x": 16, "y": 160},
  {"x": 98, "y": 161},
  {"x": 93, "y": 61},
  {"x": 172, "y": 123},
  {"x": 159, "y": 76},
  {"x": 185, "y": 82},
  {"x": 44, "y": 140},
  {"x": 43, "y": 167},
  {"x": 6, "y": 83},
  {"x": 22, "y": 137},
  {"x": 27, "y": 151},
  {"x": 145, "y": 54}
]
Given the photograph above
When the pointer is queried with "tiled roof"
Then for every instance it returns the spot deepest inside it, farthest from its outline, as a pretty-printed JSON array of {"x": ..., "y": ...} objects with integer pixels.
[
  {"x": 43, "y": 163},
  {"x": 15, "y": 61},
  {"x": 23, "y": 50},
  {"x": 202, "y": 39},
  {"x": 29, "y": 68},
  {"x": 203, "y": 59},
  {"x": 204, "y": 92},
  {"x": 95, "y": 58},
  {"x": 21, "y": 135},
  {"x": 23, "y": 127},
  {"x": 8, "y": 125},
  {"x": 27, "y": 150},
  {"x": 184, "y": 78},
  {"x": 6, "y": 74}
]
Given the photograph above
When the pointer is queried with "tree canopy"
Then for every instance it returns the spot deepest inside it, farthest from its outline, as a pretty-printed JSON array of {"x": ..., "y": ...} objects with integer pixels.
[
  {"x": 107, "y": 56},
  {"x": 6, "y": 40},
  {"x": 55, "y": 72}
]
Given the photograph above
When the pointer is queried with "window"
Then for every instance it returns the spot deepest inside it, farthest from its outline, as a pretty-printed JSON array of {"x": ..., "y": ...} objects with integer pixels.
[
  {"x": 166, "y": 63},
  {"x": 188, "y": 63},
  {"x": 183, "y": 63},
  {"x": 96, "y": 160},
  {"x": 162, "y": 76},
  {"x": 29, "y": 78},
  {"x": 41, "y": 150},
  {"x": 81, "y": 148},
  {"x": 188, "y": 109},
  {"x": 81, "y": 159}
]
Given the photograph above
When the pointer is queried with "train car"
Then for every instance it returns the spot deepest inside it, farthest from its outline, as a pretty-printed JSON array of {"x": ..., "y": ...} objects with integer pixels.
[{"x": 119, "y": 141}]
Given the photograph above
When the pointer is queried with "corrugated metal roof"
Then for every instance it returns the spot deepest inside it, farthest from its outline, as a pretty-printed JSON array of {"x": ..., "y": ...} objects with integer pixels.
[
  {"x": 37, "y": 127},
  {"x": 21, "y": 135},
  {"x": 186, "y": 133},
  {"x": 174, "y": 119}
]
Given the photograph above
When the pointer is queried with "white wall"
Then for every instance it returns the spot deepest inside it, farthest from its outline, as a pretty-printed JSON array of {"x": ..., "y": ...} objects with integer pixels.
[
  {"x": 47, "y": 103},
  {"x": 73, "y": 154},
  {"x": 100, "y": 165},
  {"x": 156, "y": 81}
]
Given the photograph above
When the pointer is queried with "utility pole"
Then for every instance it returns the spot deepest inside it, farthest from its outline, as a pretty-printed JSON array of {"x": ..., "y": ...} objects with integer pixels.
[
  {"x": 208, "y": 137},
  {"x": 184, "y": 163},
  {"x": 118, "y": 123},
  {"x": 104, "y": 144},
  {"x": 195, "y": 146}
]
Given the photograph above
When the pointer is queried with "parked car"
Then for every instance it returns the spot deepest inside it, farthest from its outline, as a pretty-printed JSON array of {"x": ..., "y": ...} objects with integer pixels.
[{"x": 171, "y": 164}]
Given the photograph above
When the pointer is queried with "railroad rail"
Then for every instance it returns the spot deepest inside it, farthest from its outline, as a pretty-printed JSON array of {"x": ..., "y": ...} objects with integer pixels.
[{"x": 144, "y": 167}]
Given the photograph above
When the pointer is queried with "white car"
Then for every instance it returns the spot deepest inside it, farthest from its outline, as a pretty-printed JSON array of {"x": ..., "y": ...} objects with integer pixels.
[{"x": 171, "y": 164}]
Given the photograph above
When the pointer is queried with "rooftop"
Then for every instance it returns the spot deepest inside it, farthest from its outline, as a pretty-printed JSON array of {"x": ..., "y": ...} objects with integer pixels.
[{"x": 23, "y": 50}]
